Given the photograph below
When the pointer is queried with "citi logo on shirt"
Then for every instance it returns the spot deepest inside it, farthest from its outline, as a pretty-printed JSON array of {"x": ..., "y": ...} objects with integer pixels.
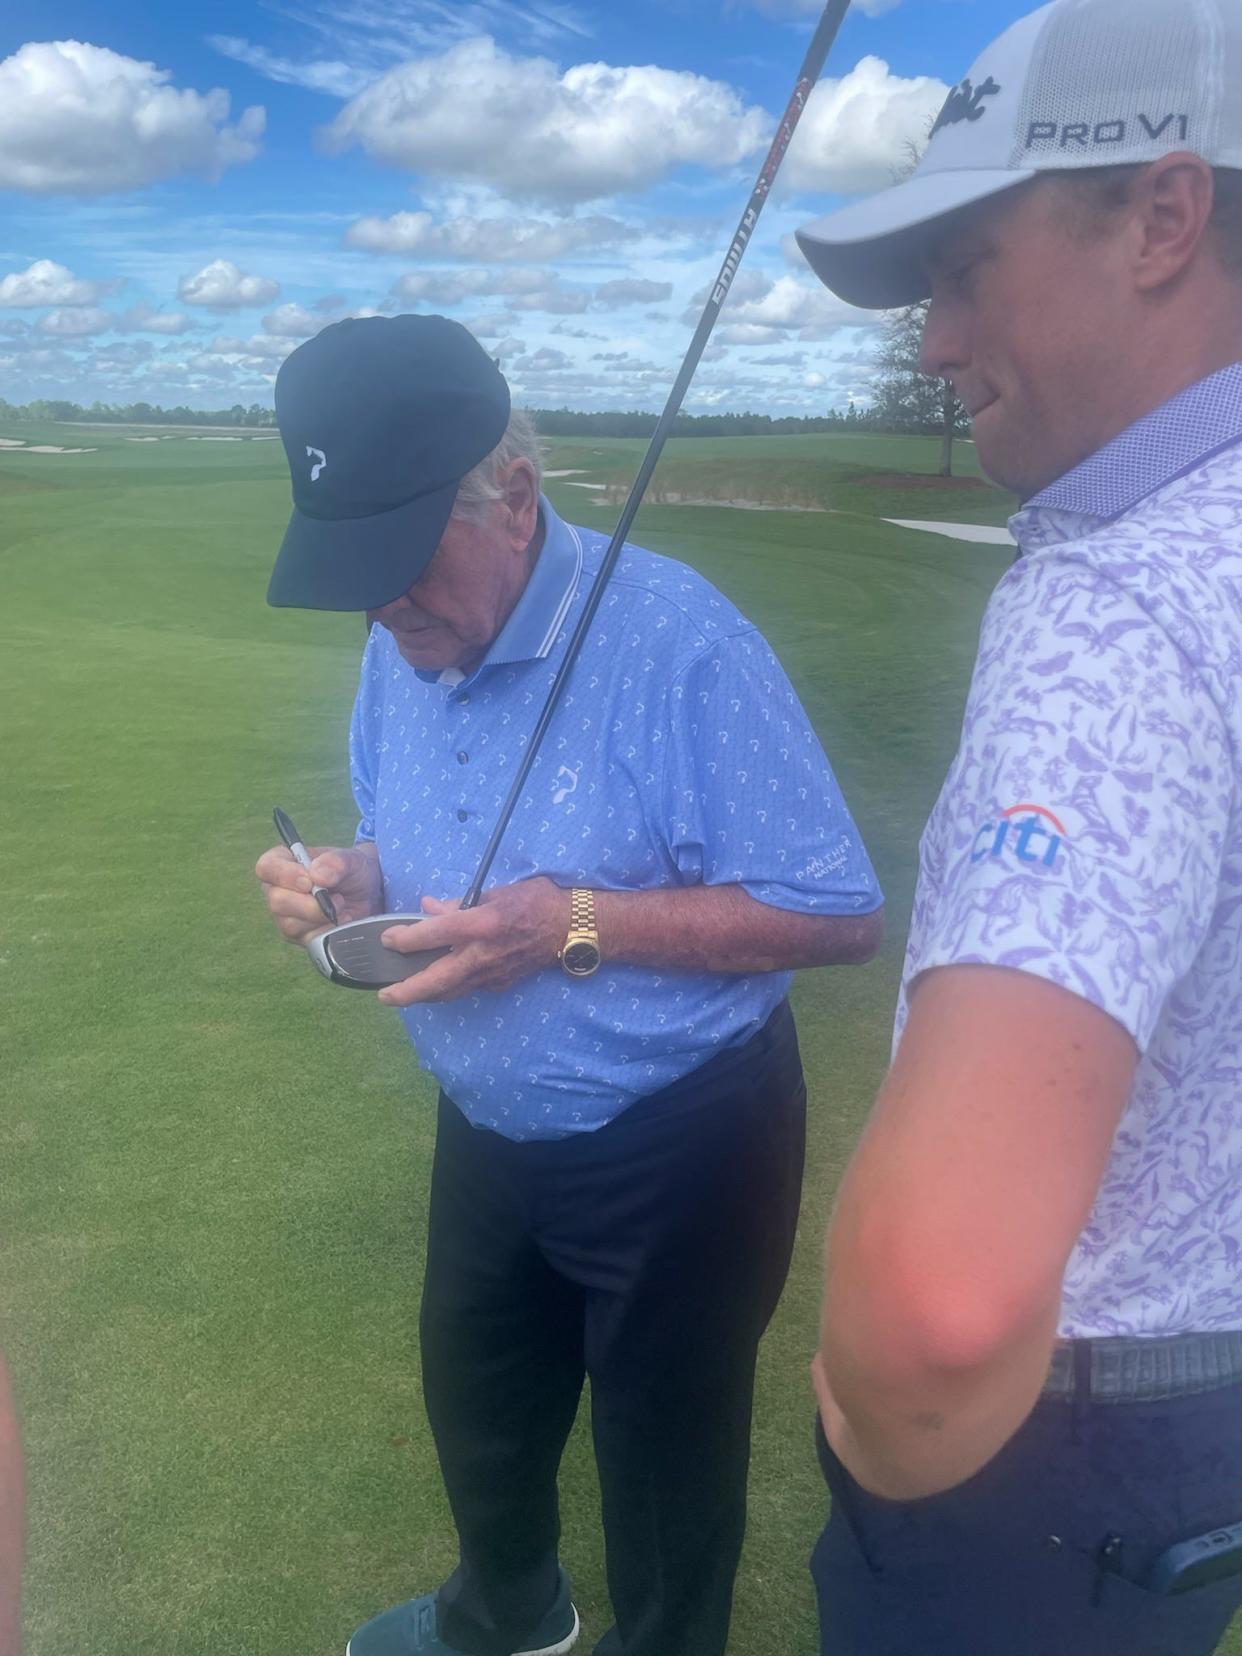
[{"x": 1027, "y": 833}]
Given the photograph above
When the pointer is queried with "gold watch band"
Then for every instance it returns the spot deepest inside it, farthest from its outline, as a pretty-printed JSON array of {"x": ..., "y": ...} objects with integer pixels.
[{"x": 582, "y": 911}]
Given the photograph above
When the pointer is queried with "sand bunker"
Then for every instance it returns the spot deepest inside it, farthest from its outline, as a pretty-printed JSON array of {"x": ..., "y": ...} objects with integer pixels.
[
  {"x": 41, "y": 448},
  {"x": 142, "y": 439},
  {"x": 985, "y": 534}
]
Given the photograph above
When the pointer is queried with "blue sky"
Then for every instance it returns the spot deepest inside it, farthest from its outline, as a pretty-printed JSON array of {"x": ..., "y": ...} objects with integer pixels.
[{"x": 187, "y": 192}]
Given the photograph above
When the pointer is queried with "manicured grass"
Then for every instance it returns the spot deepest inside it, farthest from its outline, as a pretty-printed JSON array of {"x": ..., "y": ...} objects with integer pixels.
[
  {"x": 213, "y": 1168},
  {"x": 869, "y": 474}
]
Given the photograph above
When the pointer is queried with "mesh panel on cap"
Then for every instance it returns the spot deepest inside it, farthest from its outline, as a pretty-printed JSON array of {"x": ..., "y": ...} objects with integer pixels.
[{"x": 1107, "y": 75}]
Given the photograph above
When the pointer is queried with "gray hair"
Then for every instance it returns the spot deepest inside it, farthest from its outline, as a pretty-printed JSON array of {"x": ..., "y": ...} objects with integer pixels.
[{"x": 480, "y": 488}]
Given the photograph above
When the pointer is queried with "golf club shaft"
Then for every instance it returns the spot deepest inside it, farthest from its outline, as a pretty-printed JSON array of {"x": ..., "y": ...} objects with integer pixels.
[{"x": 812, "y": 65}]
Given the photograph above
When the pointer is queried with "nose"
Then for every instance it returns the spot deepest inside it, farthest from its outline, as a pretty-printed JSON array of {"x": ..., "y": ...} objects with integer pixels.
[
  {"x": 944, "y": 347},
  {"x": 386, "y": 612}
]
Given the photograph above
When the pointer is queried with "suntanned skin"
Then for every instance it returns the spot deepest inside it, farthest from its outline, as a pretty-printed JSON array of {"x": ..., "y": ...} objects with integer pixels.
[
  {"x": 448, "y": 619},
  {"x": 986, "y": 1148}
]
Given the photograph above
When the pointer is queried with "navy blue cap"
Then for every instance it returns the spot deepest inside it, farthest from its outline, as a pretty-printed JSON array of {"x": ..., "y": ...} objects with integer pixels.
[{"x": 382, "y": 417}]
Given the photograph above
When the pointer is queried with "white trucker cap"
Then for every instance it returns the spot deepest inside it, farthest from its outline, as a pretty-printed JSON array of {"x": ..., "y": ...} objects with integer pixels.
[{"x": 1079, "y": 83}]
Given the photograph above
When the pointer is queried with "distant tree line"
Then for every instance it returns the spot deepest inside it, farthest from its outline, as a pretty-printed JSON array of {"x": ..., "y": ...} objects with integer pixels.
[
  {"x": 907, "y": 403},
  {"x": 139, "y": 413},
  {"x": 571, "y": 422}
]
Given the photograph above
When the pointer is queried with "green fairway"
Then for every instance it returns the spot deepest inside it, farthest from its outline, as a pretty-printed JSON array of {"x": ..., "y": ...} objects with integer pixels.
[
  {"x": 214, "y": 1167},
  {"x": 868, "y": 474}
]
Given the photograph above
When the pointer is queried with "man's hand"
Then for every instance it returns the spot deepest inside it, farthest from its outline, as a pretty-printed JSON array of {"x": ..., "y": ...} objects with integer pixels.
[
  {"x": 516, "y": 930},
  {"x": 352, "y": 877}
]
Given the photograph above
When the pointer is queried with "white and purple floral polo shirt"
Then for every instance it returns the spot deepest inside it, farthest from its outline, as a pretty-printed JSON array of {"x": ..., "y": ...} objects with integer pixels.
[{"x": 1090, "y": 833}]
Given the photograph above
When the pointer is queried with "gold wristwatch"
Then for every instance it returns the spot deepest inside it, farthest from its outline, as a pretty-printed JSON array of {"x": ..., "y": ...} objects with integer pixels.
[{"x": 580, "y": 955}]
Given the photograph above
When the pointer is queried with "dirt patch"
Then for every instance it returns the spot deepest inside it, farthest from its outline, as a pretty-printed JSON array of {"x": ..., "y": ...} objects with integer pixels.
[{"x": 919, "y": 480}]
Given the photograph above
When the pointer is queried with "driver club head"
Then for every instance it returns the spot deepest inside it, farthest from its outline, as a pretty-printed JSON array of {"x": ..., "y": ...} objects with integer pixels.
[{"x": 354, "y": 957}]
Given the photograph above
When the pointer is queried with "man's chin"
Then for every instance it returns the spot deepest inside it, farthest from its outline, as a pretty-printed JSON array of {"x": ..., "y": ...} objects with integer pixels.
[
  {"x": 998, "y": 460},
  {"x": 430, "y": 657},
  {"x": 423, "y": 654}
]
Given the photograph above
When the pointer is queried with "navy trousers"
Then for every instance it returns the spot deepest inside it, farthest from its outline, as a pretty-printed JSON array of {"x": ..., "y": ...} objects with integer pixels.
[
  {"x": 648, "y": 1255},
  {"x": 1013, "y": 1562}
]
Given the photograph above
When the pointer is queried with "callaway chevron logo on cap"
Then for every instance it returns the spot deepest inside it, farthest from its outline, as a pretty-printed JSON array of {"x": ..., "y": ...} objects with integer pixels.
[{"x": 1078, "y": 83}]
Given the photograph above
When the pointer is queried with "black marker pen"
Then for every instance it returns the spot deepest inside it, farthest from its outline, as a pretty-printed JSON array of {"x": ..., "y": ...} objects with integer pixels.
[{"x": 291, "y": 837}]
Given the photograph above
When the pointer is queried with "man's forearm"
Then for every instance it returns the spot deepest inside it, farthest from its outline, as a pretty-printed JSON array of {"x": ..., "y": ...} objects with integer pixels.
[
  {"x": 723, "y": 929},
  {"x": 919, "y": 1430},
  {"x": 11, "y": 1522}
]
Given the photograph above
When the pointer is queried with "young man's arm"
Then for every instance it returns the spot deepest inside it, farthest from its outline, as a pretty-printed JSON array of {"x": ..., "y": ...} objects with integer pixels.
[{"x": 956, "y": 1220}]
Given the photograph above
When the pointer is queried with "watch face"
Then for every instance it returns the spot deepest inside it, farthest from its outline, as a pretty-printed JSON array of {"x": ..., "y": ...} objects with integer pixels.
[{"x": 581, "y": 958}]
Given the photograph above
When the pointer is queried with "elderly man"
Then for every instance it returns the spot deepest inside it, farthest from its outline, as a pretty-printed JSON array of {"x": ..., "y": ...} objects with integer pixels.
[
  {"x": 620, "y": 1135},
  {"x": 1031, "y": 1369}
]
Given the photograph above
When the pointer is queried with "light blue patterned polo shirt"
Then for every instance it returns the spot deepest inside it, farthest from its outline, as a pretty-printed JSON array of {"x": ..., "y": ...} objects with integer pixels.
[
  {"x": 1090, "y": 833},
  {"x": 679, "y": 756}
]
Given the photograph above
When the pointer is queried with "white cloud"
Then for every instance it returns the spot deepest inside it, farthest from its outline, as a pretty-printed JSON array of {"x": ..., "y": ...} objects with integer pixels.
[
  {"x": 545, "y": 360},
  {"x": 339, "y": 80},
  {"x": 124, "y": 353},
  {"x": 294, "y": 321},
  {"x": 747, "y": 284},
  {"x": 856, "y": 131},
  {"x": 812, "y": 8},
  {"x": 83, "y": 120},
  {"x": 143, "y": 319},
  {"x": 575, "y": 333},
  {"x": 632, "y": 290},
  {"x": 47, "y": 283},
  {"x": 476, "y": 113},
  {"x": 221, "y": 286},
  {"x": 493, "y": 327},
  {"x": 489, "y": 238},
  {"x": 748, "y": 333},
  {"x": 360, "y": 39},
  {"x": 524, "y": 290},
  {"x": 77, "y": 322},
  {"x": 258, "y": 345},
  {"x": 791, "y": 306}
]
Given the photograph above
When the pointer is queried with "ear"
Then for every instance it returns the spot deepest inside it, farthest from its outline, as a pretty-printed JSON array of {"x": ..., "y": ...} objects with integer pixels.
[
  {"x": 1173, "y": 206},
  {"x": 521, "y": 502}
]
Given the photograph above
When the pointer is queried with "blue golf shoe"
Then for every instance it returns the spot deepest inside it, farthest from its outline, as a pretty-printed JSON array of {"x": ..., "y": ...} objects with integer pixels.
[{"x": 411, "y": 1630}]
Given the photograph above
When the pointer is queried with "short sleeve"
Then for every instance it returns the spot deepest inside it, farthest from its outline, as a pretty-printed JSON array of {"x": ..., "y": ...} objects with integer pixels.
[
  {"x": 749, "y": 797},
  {"x": 364, "y": 740},
  {"x": 1081, "y": 831}
]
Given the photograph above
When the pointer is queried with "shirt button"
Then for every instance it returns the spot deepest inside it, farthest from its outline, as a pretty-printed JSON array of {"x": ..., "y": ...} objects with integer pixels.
[
  {"x": 463, "y": 816},
  {"x": 463, "y": 700},
  {"x": 463, "y": 758}
]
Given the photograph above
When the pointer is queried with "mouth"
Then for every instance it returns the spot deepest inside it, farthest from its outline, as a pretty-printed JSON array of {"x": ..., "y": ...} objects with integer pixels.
[{"x": 981, "y": 408}]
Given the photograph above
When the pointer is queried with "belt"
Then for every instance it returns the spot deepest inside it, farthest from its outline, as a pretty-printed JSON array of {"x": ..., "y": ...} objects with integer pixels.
[{"x": 1144, "y": 1370}]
